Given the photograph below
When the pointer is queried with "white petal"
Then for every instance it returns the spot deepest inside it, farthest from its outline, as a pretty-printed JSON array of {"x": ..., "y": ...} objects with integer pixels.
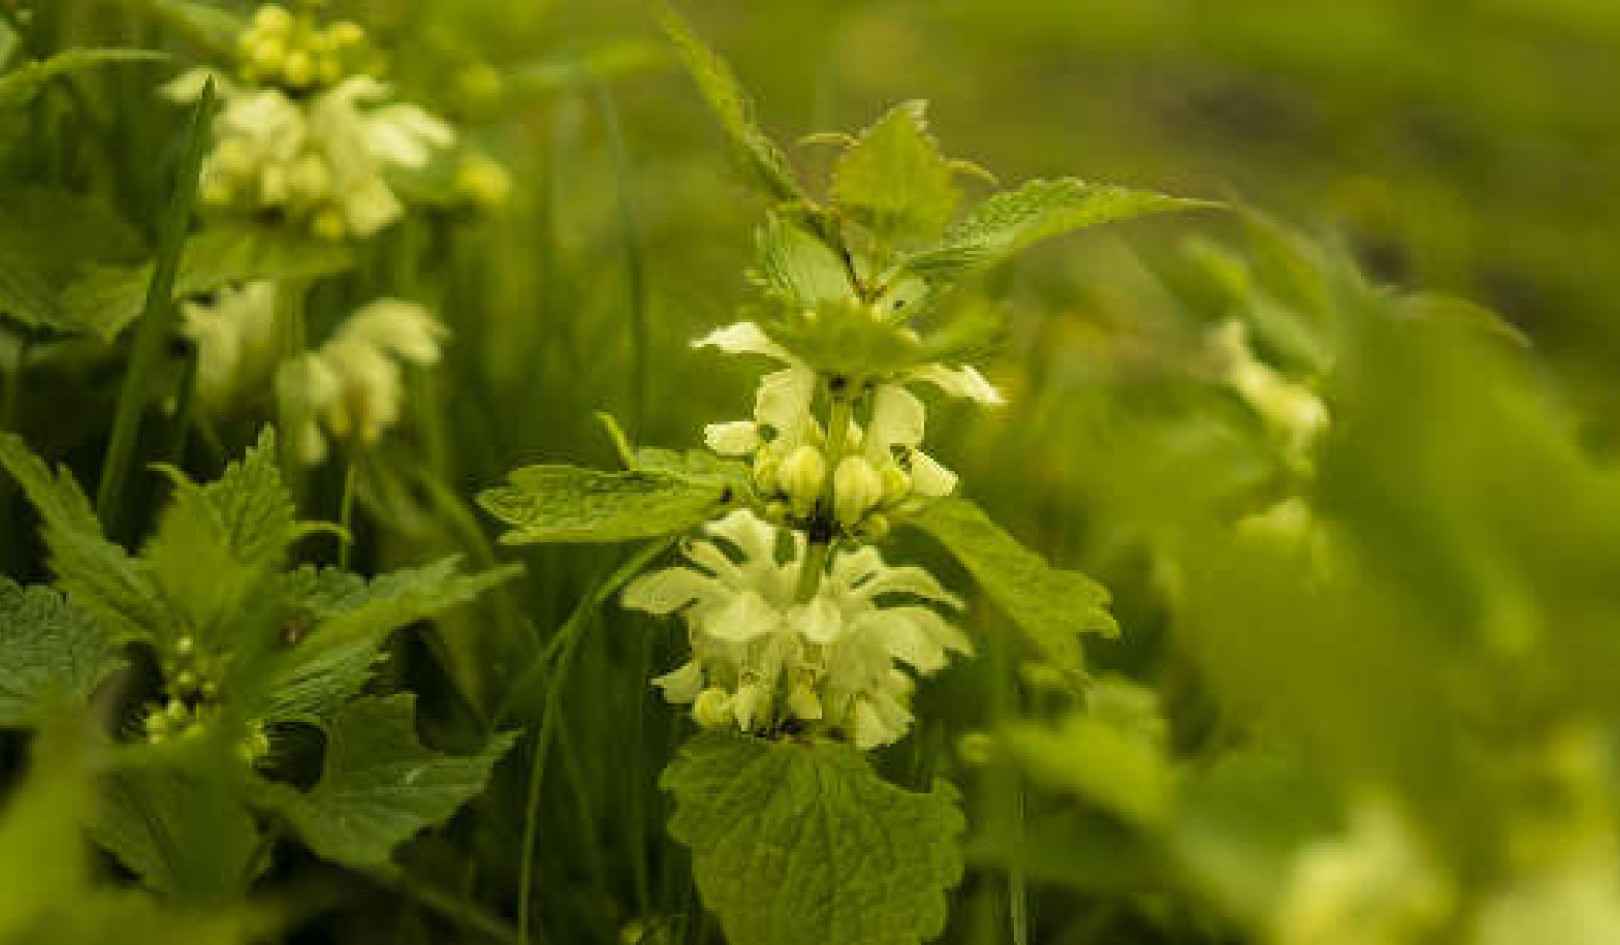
[
  {"x": 750, "y": 704},
  {"x": 965, "y": 381},
  {"x": 851, "y": 568},
  {"x": 744, "y": 338},
  {"x": 664, "y": 592},
  {"x": 712, "y": 559},
  {"x": 682, "y": 685},
  {"x": 928, "y": 478},
  {"x": 746, "y": 617},
  {"x": 869, "y": 729},
  {"x": 752, "y": 535},
  {"x": 897, "y": 420},
  {"x": 737, "y": 438},
  {"x": 818, "y": 621},
  {"x": 906, "y": 580},
  {"x": 783, "y": 402},
  {"x": 900, "y": 632}
]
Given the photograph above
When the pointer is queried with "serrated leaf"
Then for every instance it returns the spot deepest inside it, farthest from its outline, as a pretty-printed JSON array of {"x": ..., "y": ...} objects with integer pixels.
[
  {"x": 107, "y": 298},
  {"x": 797, "y": 267},
  {"x": 347, "y": 622},
  {"x": 379, "y": 786},
  {"x": 845, "y": 338},
  {"x": 759, "y": 156},
  {"x": 804, "y": 844},
  {"x": 566, "y": 503},
  {"x": 185, "y": 836},
  {"x": 20, "y": 85},
  {"x": 49, "y": 651},
  {"x": 894, "y": 181},
  {"x": 1011, "y": 221},
  {"x": 216, "y": 543},
  {"x": 46, "y": 235},
  {"x": 1051, "y": 607},
  {"x": 25, "y": 294},
  {"x": 100, "y": 577}
]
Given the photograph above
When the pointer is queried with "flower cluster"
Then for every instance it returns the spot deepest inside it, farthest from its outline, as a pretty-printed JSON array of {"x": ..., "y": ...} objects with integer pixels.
[
  {"x": 316, "y": 152},
  {"x": 768, "y": 662},
  {"x": 352, "y": 387},
  {"x": 235, "y": 335},
  {"x": 876, "y": 467}
]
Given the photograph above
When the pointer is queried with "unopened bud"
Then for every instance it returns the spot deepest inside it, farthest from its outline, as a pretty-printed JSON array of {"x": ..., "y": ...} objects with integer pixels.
[
  {"x": 712, "y": 708},
  {"x": 330, "y": 225},
  {"x": 801, "y": 477},
  {"x": 803, "y": 703},
  {"x": 896, "y": 485},
  {"x": 976, "y": 749},
  {"x": 299, "y": 68},
  {"x": 857, "y": 487},
  {"x": 876, "y": 527}
]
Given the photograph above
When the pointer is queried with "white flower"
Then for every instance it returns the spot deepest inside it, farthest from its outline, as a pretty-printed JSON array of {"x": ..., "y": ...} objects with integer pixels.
[
  {"x": 888, "y": 465},
  {"x": 323, "y": 159},
  {"x": 1290, "y": 408},
  {"x": 831, "y": 662},
  {"x": 235, "y": 335},
  {"x": 352, "y": 388},
  {"x": 1575, "y": 903},
  {"x": 1374, "y": 885}
]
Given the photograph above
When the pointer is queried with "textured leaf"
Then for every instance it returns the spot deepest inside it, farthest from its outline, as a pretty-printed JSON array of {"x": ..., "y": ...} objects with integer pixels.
[
  {"x": 1050, "y": 606},
  {"x": 804, "y": 844},
  {"x": 49, "y": 650},
  {"x": 20, "y": 85},
  {"x": 215, "y": 543},
  {"x": 379, "y": 785},
  {"x": 185, "y": 836},
  {"x": 348, "y": 620},
  {"x": 843, "y": 338},
  {"x": 1035, "y": 211},
  {"x": 758, "y": 155},
  {"x": 108, "y": 298},
  {"x": 25, "y": 294},
  {"x": 797, "y": 267},
  {"x": 100, "y": 577},
  {"x": 566, "y": 503},
  {"x": 894, "y": 181}
]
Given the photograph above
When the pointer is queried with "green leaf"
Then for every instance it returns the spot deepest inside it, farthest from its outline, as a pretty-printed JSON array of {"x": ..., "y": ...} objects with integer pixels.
[
  {"x": 804, "y": 844},
  {"x": 25, "y": 294},
  {"x": 894, "y": 181},
  {"x": 100, "y": 577},
  {"x": 379, "y": 786},
  {"x": 46, "y": 236},
  {"x": 797, "y": 267},
  {"x": 215, "y": 543},
  {"x": 186, "y": 836},
  {"x": 847, "y": 338},
  {"x": 347, "y": 621},
  {"x": 1010, "y": 221},
  {"x": 566, "y": 503},
  {"x": 49, "y": 651},
  {"x": 757, "y": 154},
  {"x": 108, "y": 298},
  {"x": 216, "y": 28},
  {"x": 20, "y": 85},
  {"x": 1050, "y": 606}
]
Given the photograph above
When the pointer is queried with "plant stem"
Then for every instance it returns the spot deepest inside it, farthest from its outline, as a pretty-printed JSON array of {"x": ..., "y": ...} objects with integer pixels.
[
  {"x": 346, "y": 510},
  {"x": 157, "y": 314},
  {"x": 13, "y": 393}
]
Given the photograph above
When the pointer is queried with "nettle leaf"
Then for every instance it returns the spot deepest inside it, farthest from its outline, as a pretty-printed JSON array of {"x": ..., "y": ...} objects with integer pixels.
[
  {"x": 697, "y": 465},
  {"x": 108, "y": 298},
  {"x": 894, "y": 181},
  {"x": 114, "y": 588},
  {"x": 379, "y": 785},
  {"x": 347, "y": 620},
  {"x": 1011, "y": 221},
  {"x": 213, "y": 27},
  {"x": 759, "y": 156},
  {"x": 804, "y": 844},
  {"x": 49, "y": 651},
  {"x": 20, "y": 85},
  {"x": 566, "y": 503},
  {"x": 185, "y": 835},
  {"x": 1051, "y": 607},
  {"x": 46, "y": 236},
  {"x": 848, "y": 338},
  {"x": 25, "y": 294},
  {"x": 215, "y": 543},
  {"x": 797, "y": 267}
]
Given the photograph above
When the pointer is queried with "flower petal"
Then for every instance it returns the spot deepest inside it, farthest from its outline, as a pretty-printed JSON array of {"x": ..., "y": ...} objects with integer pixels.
[
  {"x": 737, "y": 438},
  {"x": 744, "y": 338},
  {"x": 664, "y": 592},
  {"x": 928, "y": 478},
  {"x": 897, "y": 420},
  {"x": 682, "y": 685},
  {"x": 746, "y": 617},
  {"x": 965, "y": 381}
]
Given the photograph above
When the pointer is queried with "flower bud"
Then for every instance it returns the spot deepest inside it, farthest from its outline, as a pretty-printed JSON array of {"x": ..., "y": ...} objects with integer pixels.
[
  {"x": 267, "y": 55},
  {"x": 330, "y": 225},
  {"x": 186, "y": 682},
  {"x": 767, "y": 469},
  {"x": 896, "y": 485},
  {"x": 185, "y": 646},
  {"x": 976, "y": 749},
  {"x": 803, "y": 703},
  {"x": 712, "y": 708},
  {"x": 801, "y": 476},
  {"x": 857, "y": 487},
  {"x": 299, "y": 68},
  {"x": 876, "y": 527},
  {"x": 271, "y": 18},
  {"x": 750, "y": 705}
]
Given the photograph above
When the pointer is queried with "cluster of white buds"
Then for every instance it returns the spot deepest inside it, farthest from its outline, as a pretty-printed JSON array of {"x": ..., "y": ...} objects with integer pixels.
[
  {"x": 319, "y": 158},
  {"x": 768, "y": 663},
  {"x": 297, "y": 53},
  {"x": 352, "y": 387},
  {"x": 875, "y": 464}
]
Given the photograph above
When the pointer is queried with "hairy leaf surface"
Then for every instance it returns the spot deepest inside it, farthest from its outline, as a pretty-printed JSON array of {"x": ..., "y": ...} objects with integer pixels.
[
  {"x": 804, "y": 844},
  {"x": 49, "y": 650},
  {"x": 566, "y": 503}
]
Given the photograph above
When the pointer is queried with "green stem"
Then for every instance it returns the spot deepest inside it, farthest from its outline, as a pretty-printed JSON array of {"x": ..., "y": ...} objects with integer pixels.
[
  {"x": 156, "y": 315},
  {"x": 185, "y": 401},
  {"x": 346, "y": 510},
  {"x": 13, "y": 394}
]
